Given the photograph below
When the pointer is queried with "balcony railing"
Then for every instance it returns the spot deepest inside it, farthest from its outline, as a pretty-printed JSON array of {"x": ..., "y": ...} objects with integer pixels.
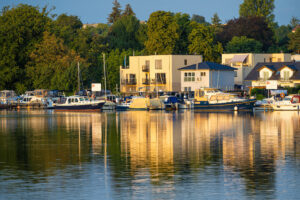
[
  {"x": 128, "y": 81},
  {"x": 146, "y": 81},
  {"x": 286, "y": 80},
  {"x": 145, "y": 68},
  {"x": 158, "y": 81}
]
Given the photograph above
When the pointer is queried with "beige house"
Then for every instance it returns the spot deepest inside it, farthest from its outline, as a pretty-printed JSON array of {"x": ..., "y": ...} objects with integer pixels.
[
  {"x": 280, "y": 74},
  {"x": 154, "y": 73},
  {"x": 245, "y": 62},
  {"x": 207, "y": 75}
]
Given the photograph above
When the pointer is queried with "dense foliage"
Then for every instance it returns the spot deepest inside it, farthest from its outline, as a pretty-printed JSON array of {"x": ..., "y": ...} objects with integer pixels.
[{"x": 42, "y": 50}]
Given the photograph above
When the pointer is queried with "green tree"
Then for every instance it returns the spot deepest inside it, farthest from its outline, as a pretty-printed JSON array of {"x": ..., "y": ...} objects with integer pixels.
[
  {"x": 162, "y": 33},
  {"x": 116, "y": 12},
  {"x": 199, "y": 19},
  {"x": 259, "y": 8},
  {"x": 215, "y": 20},
  {"x": 202, "y": 41},
  {"x": 52, "y": 65},
  {"x": 281, "y": 39},
  {"x": 183, "y": 21},
  {"x": 294, "y": 43},
  {"x": 67, "y": 27},
  {"x": 251, "y": 27},
  {"x": 128, "y": 11},
  {"x": 294, "y": 22},
  {"x": 124, "y": 33},
  {"x": 243, "y": 45},
  {"x": 21, "y": 28}
]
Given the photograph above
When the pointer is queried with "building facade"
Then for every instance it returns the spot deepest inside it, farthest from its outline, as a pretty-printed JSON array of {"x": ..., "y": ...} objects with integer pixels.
[
  {"x": 245, "y": 62},
  {"x": 207, "y": 75},
  {"x": 280, "y": 74},
  {"x": 154, "y": 73}
]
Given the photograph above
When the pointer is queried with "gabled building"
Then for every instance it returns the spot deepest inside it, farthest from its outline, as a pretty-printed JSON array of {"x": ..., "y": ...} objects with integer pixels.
[
  {"x": 285, "y": 74},
  {"x": 207, "y": 75},
  {"x": 245, "y": 62},
  {"x": 154, "y": 73}
]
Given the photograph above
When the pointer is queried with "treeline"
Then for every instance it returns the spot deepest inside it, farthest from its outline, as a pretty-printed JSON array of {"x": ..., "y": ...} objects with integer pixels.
[{"x": 41, "y": 50}]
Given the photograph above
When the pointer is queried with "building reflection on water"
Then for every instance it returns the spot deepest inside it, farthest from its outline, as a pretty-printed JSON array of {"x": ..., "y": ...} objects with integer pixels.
[{"x": 162, "y": 146}]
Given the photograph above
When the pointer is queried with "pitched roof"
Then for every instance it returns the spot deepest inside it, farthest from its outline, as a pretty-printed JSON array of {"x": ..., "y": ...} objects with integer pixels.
[
  {"x": 208, "y": 65},
  {"x": 276, "y": 67}
]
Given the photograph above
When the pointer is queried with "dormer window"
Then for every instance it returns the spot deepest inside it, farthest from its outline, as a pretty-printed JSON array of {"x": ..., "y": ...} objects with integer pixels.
[
  {"x": 265, "y": 75},
  {"x": 286, "y": 75}
]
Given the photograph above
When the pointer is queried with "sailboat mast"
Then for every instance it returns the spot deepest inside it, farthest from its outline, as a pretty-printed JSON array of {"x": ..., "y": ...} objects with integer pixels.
[
  {"x": 104, "y": 74},
  {"x": 78, "y": 80}
]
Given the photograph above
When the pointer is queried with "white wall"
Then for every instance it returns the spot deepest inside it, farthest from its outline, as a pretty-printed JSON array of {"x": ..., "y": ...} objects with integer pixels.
[{"x": 261, "y": 72}]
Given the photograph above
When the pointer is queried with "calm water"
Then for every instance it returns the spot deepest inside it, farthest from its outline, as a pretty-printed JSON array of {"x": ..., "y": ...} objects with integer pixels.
[{"x": 149, "y": 155}]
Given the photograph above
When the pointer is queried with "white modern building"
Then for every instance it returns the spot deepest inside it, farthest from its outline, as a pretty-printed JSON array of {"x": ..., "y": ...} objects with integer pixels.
[{"x": 207, "y": 75}]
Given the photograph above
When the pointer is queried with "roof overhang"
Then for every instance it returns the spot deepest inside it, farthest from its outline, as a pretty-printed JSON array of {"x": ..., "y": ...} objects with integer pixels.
[{"x": 239, "y": 58}]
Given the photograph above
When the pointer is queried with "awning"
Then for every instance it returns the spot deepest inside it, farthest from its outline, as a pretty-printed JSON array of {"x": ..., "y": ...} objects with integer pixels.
[{"x": 239, "y": 58}]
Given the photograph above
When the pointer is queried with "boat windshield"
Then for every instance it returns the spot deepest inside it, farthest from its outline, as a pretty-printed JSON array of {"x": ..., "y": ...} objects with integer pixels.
[{"x": 81, "y": 99}]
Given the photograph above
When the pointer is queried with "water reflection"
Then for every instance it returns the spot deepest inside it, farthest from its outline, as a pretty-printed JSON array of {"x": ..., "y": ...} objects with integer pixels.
[{"x": 150, "y": 154}]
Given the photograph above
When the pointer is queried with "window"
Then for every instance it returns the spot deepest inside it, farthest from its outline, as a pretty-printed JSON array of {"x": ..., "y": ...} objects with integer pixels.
[
  {"x": 158, "y": 64},
  {"x": 185, "y": 61},
  {"x": 76, "y": 100},
  {"x": 235, "y": 73},
  {"x": 266, "y": 75},
  {"x": 286, "y": 75},
  {"x": 187, "y": 89},
  {"x": 160, "y": 78},
  {"x": 279, "y": 60},
  {"x": 189, "y": 76},
  {"x": 203, "y": 74}
]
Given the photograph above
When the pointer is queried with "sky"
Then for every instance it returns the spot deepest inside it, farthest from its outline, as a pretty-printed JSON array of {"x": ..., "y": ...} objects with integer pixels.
[{"x": 97, "y": 11}]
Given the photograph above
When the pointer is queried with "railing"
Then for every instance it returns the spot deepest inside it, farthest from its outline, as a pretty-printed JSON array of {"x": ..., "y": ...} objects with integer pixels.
[
  {"x": 128, "y": 81},
  {"x": 146, "y": 81},
  {"x": 158, "y": 81},
  {"x": 145, "y": 68},
  {"x": 285, "y": 80}
]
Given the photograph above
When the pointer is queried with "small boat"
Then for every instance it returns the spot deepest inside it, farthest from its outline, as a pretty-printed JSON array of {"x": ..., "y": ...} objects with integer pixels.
[
  {"x": 171, "y": 102},
  {"x": 79, "y": 103},
  {"x": 209, "y": 99},
  {"x": 288, "y": 104},
  {"x": 264, "y": 104}
]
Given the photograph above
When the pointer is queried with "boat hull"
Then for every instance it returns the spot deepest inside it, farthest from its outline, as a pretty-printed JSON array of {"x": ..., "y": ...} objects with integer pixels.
[
  {"x": 85, "y": 107},
  {"x": 228, "y": 106},
  {"x": 290, "y": 107}
]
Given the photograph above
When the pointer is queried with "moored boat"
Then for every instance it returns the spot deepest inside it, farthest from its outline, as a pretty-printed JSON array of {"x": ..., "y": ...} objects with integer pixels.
[
  {"x": 209, "y": 99},
  {"x": 287, "y": 104},
  {"x": 78, "y": 103}
]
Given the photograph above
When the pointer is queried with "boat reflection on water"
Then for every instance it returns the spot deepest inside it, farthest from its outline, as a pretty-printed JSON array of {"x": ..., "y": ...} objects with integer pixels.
[{"x": 158, "y": 154}]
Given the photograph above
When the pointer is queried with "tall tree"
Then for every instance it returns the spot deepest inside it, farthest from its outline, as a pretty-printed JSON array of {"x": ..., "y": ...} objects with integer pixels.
[
  {"x": 215, "y": 20},
  {"x": 243, "y": 45},
  {"x": 67, "y": 27},
  {"x": 162, "y": 33},
  {"x": 128, "y": 11},
  {"x": 294, "y": 43},
  {"x": 294, "y": 22},
  {"x": 52, "y": 65},
  {"x": 202, "y": 41},
  {"x": 199, "y": 19},
  {"x": 251, "y": 27},
  {"x": 183, "y": 21},
  {"x": 124, "y": 33},
  {"x": 21, "y": 28},
  {"x": 116, "y": 12},
  {"x": 258, "y": 8}
]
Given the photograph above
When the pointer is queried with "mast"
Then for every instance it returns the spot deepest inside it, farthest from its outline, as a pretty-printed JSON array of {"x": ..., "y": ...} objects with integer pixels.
[
  {"x": 78, "y": 80},
  {"x": 104, "y": 75}
]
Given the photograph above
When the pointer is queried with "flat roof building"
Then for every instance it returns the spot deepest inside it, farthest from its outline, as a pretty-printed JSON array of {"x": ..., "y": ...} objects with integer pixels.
[{"x": 154, "y": 73}]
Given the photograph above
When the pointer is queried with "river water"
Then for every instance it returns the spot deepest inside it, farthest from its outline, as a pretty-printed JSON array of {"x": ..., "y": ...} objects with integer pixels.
[{"x": 149, "y": 155}]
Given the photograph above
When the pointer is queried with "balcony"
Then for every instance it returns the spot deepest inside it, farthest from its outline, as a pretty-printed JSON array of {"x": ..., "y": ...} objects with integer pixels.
[
  {"x": 285, "y": 80},
  {"x": 158, "y": 81},
  {"x": 145, "y": 68},
  {"x": 128, "y": 81},
  {"x": 146, "y": 81}
]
